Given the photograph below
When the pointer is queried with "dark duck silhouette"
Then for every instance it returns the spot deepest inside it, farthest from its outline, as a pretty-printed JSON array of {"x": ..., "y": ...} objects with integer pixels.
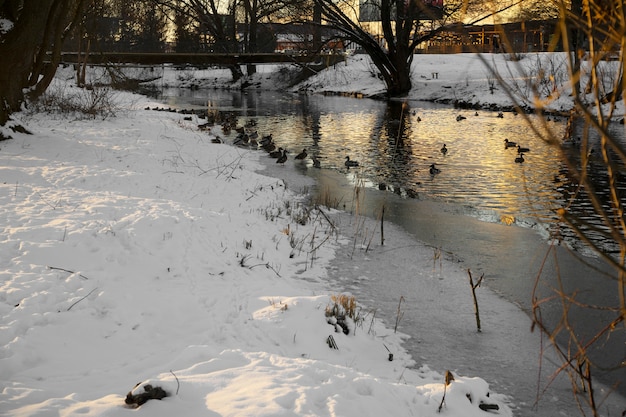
[
  {"x": 522, "y": 150},
  {"x": 277, "y": 153},
  {"x": 269, "y": 147},
  {"x": 266, "y": 139},
  {"x": 349, "y": 163},
  {"x": 459, "y": 118},
  {"x": 434, "y": 170},
  {"x": 283, "y": 158},
  {"x": 302, "y": 155},
  {"x": 509, "y": 144},
  {"x": 444, "y": 150},
  {"x": 520, "y": 158}
]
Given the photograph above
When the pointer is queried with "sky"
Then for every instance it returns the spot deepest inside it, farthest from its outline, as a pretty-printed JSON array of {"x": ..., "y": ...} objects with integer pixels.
[{"x": 137, "y": 253}]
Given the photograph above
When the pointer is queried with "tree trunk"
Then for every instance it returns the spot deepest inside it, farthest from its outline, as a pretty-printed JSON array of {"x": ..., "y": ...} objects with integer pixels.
[
  {"x": 39, "y": 28},
  {"x": 18, "y": 48},
  {"x": 402, "y": 76},
  {"x": 395, "y": 70},
  {"x": 236, "y": 72}
]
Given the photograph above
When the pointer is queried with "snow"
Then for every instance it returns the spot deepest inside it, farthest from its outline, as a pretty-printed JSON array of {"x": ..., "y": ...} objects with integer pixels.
[
  {"x": 136, "y": 251},
  {"x": 469, "y": 78}
]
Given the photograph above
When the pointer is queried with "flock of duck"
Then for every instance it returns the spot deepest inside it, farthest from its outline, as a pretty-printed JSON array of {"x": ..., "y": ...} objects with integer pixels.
[
  {"x": 433, "y": 170},
  {"x": 507, "y": 143},
  {"x": 246, "y": 137},
  {"x": 520, "y": 150}
]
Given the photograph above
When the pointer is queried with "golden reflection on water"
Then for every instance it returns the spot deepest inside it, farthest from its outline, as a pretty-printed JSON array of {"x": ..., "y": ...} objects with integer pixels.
[{"x": 395, "y": 144}]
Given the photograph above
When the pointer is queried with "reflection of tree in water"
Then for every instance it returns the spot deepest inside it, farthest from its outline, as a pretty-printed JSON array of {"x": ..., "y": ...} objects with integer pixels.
[
  {"x": 394, "y": 148},
  {"x": 585, "y": 157}
]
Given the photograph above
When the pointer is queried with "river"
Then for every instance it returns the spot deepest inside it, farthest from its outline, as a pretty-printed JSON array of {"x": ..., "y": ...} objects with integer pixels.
[{"x": 483, "y": 211}]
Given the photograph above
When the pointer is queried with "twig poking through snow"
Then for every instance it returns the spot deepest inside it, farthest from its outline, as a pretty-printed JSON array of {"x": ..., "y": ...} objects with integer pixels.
[
  {"x": 448, "y": 380},
  {"x": 67, "y": 270},
  {"x": 177, "y": 381},
  {"x": 70, "y": 307},
  {"x": 474, "y": 286},
  {"x": 399, "y": 314}
]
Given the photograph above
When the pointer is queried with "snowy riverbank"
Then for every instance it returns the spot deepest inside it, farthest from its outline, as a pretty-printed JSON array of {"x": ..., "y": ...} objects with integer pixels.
[
  {"x": 466, "y": 79},
  {"x": 136, "y": 250}
]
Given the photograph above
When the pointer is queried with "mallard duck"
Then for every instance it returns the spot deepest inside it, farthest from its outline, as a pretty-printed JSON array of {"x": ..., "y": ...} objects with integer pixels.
[
  {"x": 283, "y": 158},
  {"x": 277, "y": 153},
  {"x": 349, "y": 163},
  {"x": 269, "y": 147},
  {"x": 301, "y": 155},
  {"x": 411, "y": 193},
  {"x": 522, "y": 150},
  {"x": 266, "y": 139},
  {"x": 509, "y": 144},
  {"x": 434, "y": 170},
  {"x": 459, "y": 118},
  {"x": 444, "y": 150},
  {"x": 520, "y": 158}
]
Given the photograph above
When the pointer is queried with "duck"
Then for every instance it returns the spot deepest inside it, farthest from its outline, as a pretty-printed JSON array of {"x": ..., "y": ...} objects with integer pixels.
[
  {"x": 269, "y": 147},
  {"x": 459, "y": 118},
  {"x": 266, "y": 139},
  {"x": 277, "y": 153},
  {"x": 522, "y": 150},
  {"x": 241, "y": 139},
  {"x": 501, "y": 115},
  {"x": 349, "y": 163},
  {"x": 411, "y": 193},
  {"x": 520, "y": 158},
  {"x": 509, "y": 144},
  {"x": 216, "y": 140},
  {"x": 301, "y": 155},
  {"x": 316, "y": 163},
  {"x": 444, "y": 150},
  {"x": 434, "y": 170},
  {"x": 283, "y": 158}
]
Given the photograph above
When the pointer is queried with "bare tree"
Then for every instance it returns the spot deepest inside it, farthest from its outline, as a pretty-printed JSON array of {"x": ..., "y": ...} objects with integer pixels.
[
  {"x": 214, "y": 20},
  {"x": 258, "y": 11},
  {"x": 404, "y": 26},
  {"x": 31, "y": 47},
  {"x": 401, "y": 25}
]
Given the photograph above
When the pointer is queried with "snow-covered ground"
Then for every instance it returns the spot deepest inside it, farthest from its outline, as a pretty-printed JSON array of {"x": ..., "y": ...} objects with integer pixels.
[{"x": 136, "y": 250}]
